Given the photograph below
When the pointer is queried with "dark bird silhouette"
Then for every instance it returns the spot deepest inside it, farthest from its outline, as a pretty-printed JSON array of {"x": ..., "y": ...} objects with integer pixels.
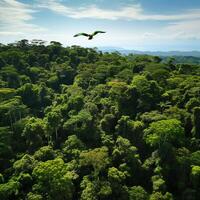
[{"x": 90, "y": 36}]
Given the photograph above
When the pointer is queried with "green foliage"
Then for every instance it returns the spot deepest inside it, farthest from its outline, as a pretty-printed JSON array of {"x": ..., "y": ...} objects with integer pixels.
[
  {"x": 6, "y": 93},
  {"x": 25, "y": 164},
  {"x": 1, "y": 179},
  {"x": 115, "y": 175},
  {"x": 97, "y": 158},
  {"x": 196, "y": 118},
  {"x": 72, "y": 147},
  {"x": 5, "y": 142},
  {"x": 164, "y": 131},
  {"x": 25, "y": 179},
  {"x": 195, "y": 176},
  {"x": 34, "y": 132},
  {"x": 12, "y": 110},
  {"x": 32, "y": 196},
  {"x": 195, "y": 171},
  {"x": 9, "y": 189},
  {"x": 45, "y": 153},
  {"x": 77, "y": 123},
  {"x": 160, "y": 196},
  {"x": 124, "y": 150},
  {"x": 54, "y": 180},
  {"x": 195, "y": 158},
  {"x": 88, "y": 192},
  {"x": 158, "y": 183},
  {"x": 81, "y": 125},
  {"x": 105, "y": 189},
  {"x": 149, "y": 92},
  {"x": 137, "y": 193}
]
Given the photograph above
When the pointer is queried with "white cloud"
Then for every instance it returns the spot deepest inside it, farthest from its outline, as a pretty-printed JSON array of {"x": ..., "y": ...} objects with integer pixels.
[
  {"x": 15, "y": 18},
  {"x": 187, "y": 29},
  {"x": 128, "y": 12}
]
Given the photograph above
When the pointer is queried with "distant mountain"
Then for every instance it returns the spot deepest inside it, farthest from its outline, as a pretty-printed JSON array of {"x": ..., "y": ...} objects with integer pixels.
[{"x": 154, "y": 53}]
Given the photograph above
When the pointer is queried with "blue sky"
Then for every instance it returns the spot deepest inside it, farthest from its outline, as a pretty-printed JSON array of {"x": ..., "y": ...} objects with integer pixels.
[{"x": 132, "y": 24}]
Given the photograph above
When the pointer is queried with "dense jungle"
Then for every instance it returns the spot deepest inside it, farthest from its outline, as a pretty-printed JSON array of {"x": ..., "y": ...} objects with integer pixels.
[{"x": 77, "y": 123}]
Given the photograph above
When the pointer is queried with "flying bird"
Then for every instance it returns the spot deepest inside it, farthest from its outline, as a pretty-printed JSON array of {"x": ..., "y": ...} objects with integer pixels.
[{"x": 90, "y": 36}]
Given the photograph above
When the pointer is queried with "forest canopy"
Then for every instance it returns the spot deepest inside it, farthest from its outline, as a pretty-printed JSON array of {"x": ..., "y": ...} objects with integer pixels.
[{"x": 77, "y": 123}]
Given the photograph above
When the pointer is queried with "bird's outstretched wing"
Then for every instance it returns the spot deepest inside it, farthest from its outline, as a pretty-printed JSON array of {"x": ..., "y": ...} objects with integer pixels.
[
  {"x": 96, "y": 32},
  {"x": 82, "y": 34}
]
